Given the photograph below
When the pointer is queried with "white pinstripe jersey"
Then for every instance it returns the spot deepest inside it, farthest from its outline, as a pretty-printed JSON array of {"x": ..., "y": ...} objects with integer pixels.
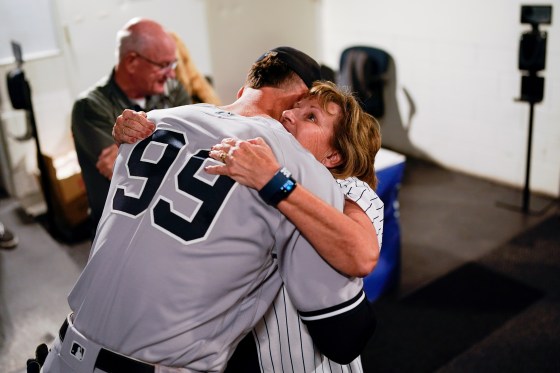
[
  {"x": 282, "y": 340},
  {"x": 181, "y": 265}
]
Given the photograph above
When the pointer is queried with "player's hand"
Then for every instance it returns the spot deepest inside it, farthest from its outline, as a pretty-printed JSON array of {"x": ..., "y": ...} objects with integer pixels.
[
  {"x": 106, "y": 160},
  {"x": 132, "y": 126},
  {"x": 251, "y": 163}
]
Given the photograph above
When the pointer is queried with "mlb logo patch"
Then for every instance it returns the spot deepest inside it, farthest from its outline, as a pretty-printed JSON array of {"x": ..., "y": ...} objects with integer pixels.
[{"x": 77, "y": 351}]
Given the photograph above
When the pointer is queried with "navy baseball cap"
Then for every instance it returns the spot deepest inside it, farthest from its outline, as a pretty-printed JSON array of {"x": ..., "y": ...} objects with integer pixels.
[{"x": 304, "y": 66}]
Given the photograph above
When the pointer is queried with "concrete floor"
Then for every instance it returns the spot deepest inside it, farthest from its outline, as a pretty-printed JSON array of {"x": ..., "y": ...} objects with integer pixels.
[{"x": 447, "y": 219}]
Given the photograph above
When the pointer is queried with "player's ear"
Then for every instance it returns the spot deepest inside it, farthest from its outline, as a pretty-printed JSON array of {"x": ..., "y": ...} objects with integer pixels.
[
  {"x": 240, "y": 92},
  {"x": 332, "y": 159}
]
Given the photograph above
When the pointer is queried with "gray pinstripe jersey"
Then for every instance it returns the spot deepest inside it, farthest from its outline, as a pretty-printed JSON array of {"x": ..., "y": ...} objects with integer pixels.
[
  {"x": 282, "y": 340},
  {"x": 181, "y": 265}
]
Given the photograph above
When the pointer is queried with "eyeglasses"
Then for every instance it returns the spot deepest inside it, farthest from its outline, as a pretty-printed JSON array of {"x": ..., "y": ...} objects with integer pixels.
[{"x": 162, "y": 65}]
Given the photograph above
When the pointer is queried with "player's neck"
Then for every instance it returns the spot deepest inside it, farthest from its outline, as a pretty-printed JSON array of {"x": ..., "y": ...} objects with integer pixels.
[{"x": 252, "y": 103}]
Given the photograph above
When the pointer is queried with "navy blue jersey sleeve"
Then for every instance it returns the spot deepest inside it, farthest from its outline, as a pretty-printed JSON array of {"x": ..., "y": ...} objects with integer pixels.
[{"x": 342, "y": 332}]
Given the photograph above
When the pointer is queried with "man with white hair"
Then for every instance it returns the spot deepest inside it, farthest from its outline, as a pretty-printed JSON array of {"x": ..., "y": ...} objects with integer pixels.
[{"x": 143, "y": 79}]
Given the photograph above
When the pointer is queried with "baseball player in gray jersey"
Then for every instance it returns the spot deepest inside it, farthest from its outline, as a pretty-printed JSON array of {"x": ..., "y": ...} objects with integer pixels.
[
  {"x": 182, "y": 266},
  {"x": 282, "y": 339}
]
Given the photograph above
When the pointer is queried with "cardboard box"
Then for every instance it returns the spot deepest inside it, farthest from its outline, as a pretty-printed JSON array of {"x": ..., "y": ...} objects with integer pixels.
[{"x": 67, "y": 188}]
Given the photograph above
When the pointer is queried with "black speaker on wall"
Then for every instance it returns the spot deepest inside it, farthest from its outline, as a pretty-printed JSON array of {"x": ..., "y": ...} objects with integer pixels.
[
  {"x": 532, "y": 51},
  {"x": 536, "y": 14},
  {"x": 532, "y": 88}
]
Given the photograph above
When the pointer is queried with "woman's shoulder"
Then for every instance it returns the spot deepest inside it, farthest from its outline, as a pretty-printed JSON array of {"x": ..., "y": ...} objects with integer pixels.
[
  {"x": 359, "y": 191},
  {"x": 352, "y": 184}
]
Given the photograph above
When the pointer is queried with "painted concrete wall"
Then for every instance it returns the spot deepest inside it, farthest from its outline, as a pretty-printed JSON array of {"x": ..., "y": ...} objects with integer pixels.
[
  {"x": 457, "y": 63},
  {"x": 241, "y": 30},
  {"x": 455, "y": 67}
]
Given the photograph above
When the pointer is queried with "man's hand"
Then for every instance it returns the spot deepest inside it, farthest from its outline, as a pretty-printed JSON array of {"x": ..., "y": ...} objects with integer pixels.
[
  {"x": 132, "y": 126},
  {"x": 106, "y": 160},
  {"x": 251, "y": 163}
]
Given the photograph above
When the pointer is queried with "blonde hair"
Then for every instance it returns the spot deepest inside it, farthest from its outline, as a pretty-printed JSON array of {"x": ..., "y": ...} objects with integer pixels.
[
  {"x": 196, "y": 84},
  {"x": 357, "y": 134}
]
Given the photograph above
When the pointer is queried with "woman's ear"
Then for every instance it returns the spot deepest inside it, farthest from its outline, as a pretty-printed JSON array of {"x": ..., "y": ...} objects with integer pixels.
[{"x": 332, "y": 159}]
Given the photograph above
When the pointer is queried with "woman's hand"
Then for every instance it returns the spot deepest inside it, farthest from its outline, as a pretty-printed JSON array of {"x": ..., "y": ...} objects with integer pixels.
[
  {"x": 132, "y": 126},
  {"x": 251, "y": 163},
  {"x": 347, "y": 241}
]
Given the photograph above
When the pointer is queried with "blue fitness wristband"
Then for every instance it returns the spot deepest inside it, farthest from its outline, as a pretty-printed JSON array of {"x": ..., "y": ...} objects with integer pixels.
[{"x": 278, "y": 188}]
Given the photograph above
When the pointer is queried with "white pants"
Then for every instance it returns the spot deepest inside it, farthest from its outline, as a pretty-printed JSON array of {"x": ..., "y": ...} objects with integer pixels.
[
  {"x": 77, "y": 354},
  {"x": 62, "y": 359}
]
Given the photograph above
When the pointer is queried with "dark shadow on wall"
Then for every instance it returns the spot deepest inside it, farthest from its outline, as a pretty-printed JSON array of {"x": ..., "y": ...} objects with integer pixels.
[{"x": 371, "y": 74}]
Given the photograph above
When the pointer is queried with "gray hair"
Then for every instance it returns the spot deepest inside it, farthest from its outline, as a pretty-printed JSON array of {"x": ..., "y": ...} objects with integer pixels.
[{"x": 133, "y": 38}]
